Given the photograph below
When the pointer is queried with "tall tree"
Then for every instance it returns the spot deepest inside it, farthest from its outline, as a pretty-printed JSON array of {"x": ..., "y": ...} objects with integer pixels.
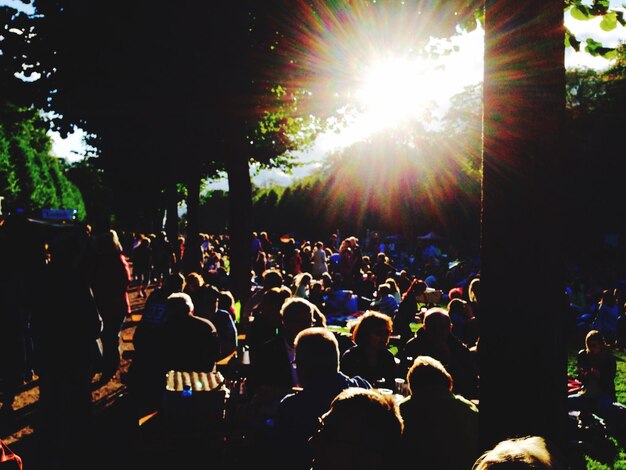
[{"x": 522, "y": 282}]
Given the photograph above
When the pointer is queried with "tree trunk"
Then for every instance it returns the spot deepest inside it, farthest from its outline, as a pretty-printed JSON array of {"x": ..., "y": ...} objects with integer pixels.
[
  {"x": 522, "y": 352},
  {"x": 240, "y": 227},
  {"x": 192, "y": 258},
  {"x": 171, "y": 220}
]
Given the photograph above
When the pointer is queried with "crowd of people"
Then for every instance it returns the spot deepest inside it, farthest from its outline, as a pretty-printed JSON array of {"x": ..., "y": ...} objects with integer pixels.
[{"x": 329, "y": 329}]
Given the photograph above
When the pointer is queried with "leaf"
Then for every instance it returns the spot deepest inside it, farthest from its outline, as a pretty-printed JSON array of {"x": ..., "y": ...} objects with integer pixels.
[
  {"x": 596, "y": 48},
  {"x": 620, "y": 17},
  {"x": 600, "y": 7},
  {"x": 571, "y": 41},
  {"x": 609, "y": 21},
  {"x": 581, "y": 13}
]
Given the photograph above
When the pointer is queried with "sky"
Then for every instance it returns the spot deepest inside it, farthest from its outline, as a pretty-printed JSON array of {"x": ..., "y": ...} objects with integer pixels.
[{"x": 441, "y": 81}]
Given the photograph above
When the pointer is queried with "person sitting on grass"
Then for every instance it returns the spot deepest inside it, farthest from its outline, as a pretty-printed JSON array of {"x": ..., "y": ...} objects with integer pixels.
[
  {"x": 596, "y": 370},
  {"x": 436, "y": 340},
  {"x": 317, "y": 366},
  {"x": 370, "y": 357}
]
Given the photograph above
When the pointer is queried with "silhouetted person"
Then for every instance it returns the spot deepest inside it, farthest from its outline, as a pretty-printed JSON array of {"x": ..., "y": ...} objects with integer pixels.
[
  {"x": 110, "y": 279},
  {"x": 362, "y": 429},
  {"x": 440, "y": 428},
  {"x": 317, "y": 365},
  {"x": 370, "y": 357},
  {"x": 65, "y": 325},
  {"x": 435, "y": 339}
]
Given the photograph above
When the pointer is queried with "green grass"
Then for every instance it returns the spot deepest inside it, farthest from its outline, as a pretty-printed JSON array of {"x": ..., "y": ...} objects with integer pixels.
[{"x": 620, "y": 387}]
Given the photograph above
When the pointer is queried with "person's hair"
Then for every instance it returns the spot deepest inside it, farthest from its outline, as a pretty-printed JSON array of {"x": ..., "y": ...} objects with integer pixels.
[
  {"x": 393, "y": 285},
  {"x": 417, "y": 287},
  {"x": 368, "y": 323},
  {"x": 436, "y": 318},
  {"x": 272, "y": 278},
  {"x": 178, "y": 305},
  {"x": 594, "y": 336},
  {"x": 457, "y": 306},
  {"x": 428, "y": 373},
  {"x": 473, "y": 291},
  {"x": 274, "y": 297},
  {"x": 301, "y": 280},
  {"x": 370, "y": 419},
  {"x": 193, "y": 281},
  {"x": 227, "y": 300},
  {"x": 208, "y": 293},
  {"x": 455, "y": 293},
  {"x": 109, "y": 241},
  {"x": 518, "y": 453},
  {"x": 383, "y": 290},
  {"x": 317, "y": 354},
  {"x": 294, "y": 308}
]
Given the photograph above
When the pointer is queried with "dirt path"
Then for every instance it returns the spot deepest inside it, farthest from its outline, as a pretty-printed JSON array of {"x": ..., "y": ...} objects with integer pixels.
[{"x": 19, "y": 432}]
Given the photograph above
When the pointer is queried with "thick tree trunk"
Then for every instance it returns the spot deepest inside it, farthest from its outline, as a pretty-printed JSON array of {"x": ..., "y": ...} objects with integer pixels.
[
  {"x": 240, "y": 228},
  {"x": 522, "y": 352}
]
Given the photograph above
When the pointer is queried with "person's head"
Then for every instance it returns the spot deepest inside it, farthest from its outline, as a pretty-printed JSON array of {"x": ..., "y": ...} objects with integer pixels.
[
  {"x": 207, "y": 298},
  {"x": 519, "y": 453},
  {"x": 393, "y": 285},
  {"x": 272, "y": 278},
  {"x": 302, "y": 280},
  {"x": 317, "y": 355},
  {"x": 362, "y": 429},
  {"x": 459, "y": 307},
  {"x": 372, "y": 329},
  {"x": 174, "y": 282},
  {"x": 109, "y": 242},
  {"x": 455, "y": 293},
  {"x": 594, "y": 342},
  {"x": 416, "y": 288},
  {"x": 226, "y": 301},
  {"x": 473, "y": 291},
  {"x": 193, "y": 281},
  {"x": 437, "y": 323},
  {"x": 383, "y": 290},
  {"x": 271, "y": 303},
  {"x": 608, "y": 298},
  {"x": 297, "y": 315},
  {"x": 427, "y": 373},
  {"x": 178, "y": 305}
]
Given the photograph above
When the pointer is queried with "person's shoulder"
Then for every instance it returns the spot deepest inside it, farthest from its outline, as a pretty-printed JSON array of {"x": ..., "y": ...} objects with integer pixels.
[
  {"x": 351, "y": 351},
  {"x": 464, "y": 403},
  {"x": 358, "y": 381},
  {"x": 207, "y": 324}
]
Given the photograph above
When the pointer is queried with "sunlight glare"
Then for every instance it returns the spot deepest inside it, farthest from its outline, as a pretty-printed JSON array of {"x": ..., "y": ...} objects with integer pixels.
[{"x": 393, "y": 90}]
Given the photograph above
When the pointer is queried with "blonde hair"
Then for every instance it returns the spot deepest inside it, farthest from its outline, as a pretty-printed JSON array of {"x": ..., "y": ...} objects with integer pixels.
[{"x": 516, "y": 453}]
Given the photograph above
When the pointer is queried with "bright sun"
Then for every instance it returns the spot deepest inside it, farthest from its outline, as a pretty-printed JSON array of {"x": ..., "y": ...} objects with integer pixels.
[{"x": 393, "y": 90}]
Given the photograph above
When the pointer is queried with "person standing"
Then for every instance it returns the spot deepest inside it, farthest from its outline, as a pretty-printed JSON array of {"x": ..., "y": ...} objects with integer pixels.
[
  {"x": 110, "y": 280},
  {"x": 65, "y": 326}
]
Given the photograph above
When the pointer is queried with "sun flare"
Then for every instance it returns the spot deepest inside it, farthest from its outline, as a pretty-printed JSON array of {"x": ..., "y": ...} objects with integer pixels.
[{"x": 393, "y": 90}]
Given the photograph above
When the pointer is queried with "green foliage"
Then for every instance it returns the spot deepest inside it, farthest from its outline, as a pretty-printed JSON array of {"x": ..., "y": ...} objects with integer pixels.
[
  {"x": 584, "y": 10},
  {"x": 30, "y": 177}
]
